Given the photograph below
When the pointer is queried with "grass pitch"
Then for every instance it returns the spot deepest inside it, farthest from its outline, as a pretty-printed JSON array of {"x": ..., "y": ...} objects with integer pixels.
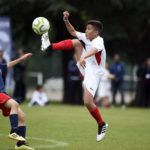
[{"x": 65, "y": 127}]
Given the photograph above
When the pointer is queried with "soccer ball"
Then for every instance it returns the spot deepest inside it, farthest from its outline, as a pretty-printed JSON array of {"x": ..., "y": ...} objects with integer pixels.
[{"x": 40, "y": 25}]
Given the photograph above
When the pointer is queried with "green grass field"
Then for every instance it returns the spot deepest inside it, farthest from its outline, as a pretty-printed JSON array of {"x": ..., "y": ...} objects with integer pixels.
[{"x": 65, "y": 127}]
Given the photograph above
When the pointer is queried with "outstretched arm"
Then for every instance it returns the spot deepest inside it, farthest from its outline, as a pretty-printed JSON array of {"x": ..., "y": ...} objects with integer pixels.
[
  {"x": 23, "y": 58},
  {"x": 69, "y": 27}
]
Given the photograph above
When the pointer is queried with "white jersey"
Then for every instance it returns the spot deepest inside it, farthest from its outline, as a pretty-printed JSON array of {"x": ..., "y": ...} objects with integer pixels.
[
  {"x": 38, "y": 97},
  {"x": 95, "y": 65},
  {"x": 98, "y": 60}
]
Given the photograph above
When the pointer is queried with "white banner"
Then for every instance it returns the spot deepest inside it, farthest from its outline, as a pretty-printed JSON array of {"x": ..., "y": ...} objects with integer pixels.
[{"x": 6, "y": 44}]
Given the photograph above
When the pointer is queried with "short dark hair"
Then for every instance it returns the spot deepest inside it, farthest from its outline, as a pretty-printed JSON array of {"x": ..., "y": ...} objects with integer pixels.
[
  {"x": 39, "y": 87},
  {"x": 97, "y": 24}
]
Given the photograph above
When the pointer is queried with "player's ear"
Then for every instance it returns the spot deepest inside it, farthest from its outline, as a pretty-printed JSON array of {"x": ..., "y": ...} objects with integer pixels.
[{"x": 96, "y": 32}]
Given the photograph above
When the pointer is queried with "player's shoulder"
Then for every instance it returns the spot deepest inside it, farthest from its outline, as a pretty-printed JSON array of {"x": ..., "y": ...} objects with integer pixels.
[
  {"x": 98, "y": 39},
  {"x": 79, "y": 34},
  {"x": 36, "y": 92},
  {"x": 122, "y": 63}
]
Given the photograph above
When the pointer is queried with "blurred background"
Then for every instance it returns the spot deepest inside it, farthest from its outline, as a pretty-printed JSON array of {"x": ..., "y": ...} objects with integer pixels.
[{"x": 126, "y": 32}]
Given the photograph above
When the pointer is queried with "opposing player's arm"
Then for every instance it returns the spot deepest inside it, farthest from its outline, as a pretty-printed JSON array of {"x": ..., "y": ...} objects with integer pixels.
[
  {"x": 69, "y": 27},
  {"x": 16, "y": 61}
]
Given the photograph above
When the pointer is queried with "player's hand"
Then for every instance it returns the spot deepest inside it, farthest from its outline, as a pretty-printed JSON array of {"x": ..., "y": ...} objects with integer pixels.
[
  {"x": 66, "y": 14},
  {"x": 82, "y": 62},
  {"x": 26, "y": 56},
  {"x": 116, "y": 79}
]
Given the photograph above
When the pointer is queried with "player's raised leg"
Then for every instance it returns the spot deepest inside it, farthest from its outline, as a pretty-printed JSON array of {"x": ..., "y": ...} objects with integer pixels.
[
  {"x": 93, "y": 109},
  {"x": 62, "y": 45},
  {"x": 68, "y": 44},
  {"x": 13, "y": 116},
  {"x": 22, "y": 130}
]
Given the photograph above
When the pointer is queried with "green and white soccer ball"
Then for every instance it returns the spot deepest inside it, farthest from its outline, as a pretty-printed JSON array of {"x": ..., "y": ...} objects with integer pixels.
[{"x": 40, "y": 25}]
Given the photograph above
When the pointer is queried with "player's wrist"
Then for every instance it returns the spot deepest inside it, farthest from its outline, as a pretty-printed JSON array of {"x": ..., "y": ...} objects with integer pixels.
[
  {"x": 83, "y": 57},
  {"x": 65, "y": 19}
]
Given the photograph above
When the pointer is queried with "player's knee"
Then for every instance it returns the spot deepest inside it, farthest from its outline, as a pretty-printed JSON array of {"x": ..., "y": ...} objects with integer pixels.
[
  {"x": 14, "y": 104},
  {"x": 87, "y": 103},
  {"x": 76, "y": 42}
]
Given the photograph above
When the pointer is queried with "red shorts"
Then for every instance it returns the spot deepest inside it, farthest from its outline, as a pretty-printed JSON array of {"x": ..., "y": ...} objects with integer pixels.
[{"x": 4, "y": 98}]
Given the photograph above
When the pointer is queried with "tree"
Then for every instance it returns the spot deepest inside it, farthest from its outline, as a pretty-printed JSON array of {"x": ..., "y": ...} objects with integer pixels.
[{"x": 126, "y": 25}]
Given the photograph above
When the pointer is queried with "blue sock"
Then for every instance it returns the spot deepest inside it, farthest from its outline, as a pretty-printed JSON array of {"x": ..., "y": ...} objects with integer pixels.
[
  {"x": 22, "y": 132},
  {"x": 13, "y": 121}
]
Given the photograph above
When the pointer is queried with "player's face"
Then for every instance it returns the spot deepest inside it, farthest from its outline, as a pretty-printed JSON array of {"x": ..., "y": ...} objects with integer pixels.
[
  {"x": 90, "y": 31},
  {"x": 40, "y": 89}
]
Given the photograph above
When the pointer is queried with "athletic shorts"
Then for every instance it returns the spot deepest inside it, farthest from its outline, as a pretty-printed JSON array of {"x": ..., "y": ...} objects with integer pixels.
[
  {"x": 92, "y": 77},
  {"x": 104, "y": 89},
  {"x": 4, "y": 98}
]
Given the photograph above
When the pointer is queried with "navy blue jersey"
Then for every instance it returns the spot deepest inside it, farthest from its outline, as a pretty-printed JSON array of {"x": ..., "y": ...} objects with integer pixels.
[
  {"x": 3, "y": 68},
  {"x": 118, "y": 69}
]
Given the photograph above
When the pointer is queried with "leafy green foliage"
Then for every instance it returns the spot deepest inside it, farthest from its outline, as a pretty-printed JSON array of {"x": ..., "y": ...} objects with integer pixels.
[{"x": 126, "y": 22}]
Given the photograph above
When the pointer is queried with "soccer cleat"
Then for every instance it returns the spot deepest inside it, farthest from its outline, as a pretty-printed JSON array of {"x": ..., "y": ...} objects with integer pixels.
[
  {"x": 45, "y": 42},
  {"x": 16, "y": 137},
  {"x": 101, "y": 131},
  {"x": 24, "y": 146}
]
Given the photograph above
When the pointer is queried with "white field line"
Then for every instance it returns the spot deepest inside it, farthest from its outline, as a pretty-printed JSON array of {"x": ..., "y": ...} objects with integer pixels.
[{"x": 54, "y": 143}]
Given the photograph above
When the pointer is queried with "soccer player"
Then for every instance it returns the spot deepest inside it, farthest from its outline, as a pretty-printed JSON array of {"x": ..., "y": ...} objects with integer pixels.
[
  {"x": 39, "y": 97},
  {"x": 90, "y": 61},
  {"x": 11, "y": 108},
  {"x": 104, "y": 88}
]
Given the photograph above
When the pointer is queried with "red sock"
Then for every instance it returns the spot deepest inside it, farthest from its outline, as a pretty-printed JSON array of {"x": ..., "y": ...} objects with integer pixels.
[
  {"x": 96, "y": 114},
  {"x": 63, "y": 45}
]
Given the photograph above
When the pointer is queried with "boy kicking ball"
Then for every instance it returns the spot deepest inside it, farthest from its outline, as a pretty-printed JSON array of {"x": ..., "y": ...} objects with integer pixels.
[
  {"x": 90, "y": 61},
  {"x": 11, "y": 108}
]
